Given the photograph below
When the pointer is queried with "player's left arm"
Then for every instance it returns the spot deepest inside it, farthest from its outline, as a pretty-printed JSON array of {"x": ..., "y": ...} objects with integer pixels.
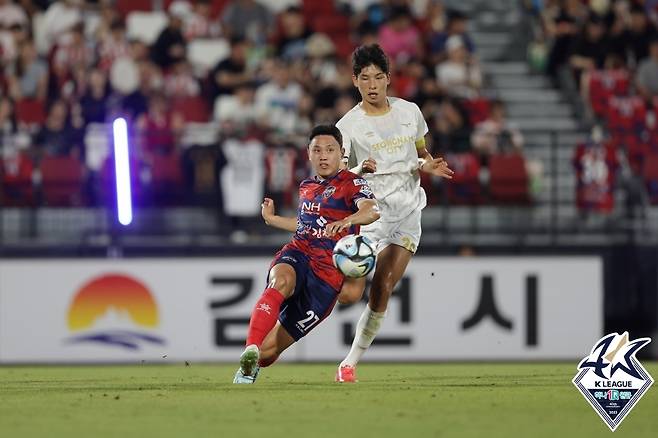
[
  {"x": 434, "y": 166},
  {"x": 367, "y": 213}
]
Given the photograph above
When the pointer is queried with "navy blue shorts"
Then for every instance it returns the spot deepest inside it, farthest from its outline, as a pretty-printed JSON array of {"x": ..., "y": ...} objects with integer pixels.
[{"x": 312, "y": 300}]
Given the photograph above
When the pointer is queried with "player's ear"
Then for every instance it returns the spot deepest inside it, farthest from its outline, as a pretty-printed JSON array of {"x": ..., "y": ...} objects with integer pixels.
[
  {"x": 388, "y": 79},
  {"x": 355, "y": 82}
]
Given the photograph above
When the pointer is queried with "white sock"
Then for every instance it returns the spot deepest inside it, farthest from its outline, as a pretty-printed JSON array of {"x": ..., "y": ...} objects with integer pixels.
[{"x": 366, "y": 330}]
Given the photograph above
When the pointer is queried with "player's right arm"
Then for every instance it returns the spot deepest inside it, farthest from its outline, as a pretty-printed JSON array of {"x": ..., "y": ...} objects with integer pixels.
[{"x": 273, "y": 220}]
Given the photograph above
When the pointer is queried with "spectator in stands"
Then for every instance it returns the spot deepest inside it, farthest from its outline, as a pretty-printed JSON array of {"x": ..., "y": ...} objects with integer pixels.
[
  {"x": 277, "y": 100},
  {"x": 72, "y": 54},
  {"x": 57, "y": 137},
  {"x": 7, "y": 122},
  {"x": 179, "y": 81},
  {"x": 459, "y": 76},
  {"x": 159, "y": 127},
  {"x": 646, "y": 80},
  {"x": 29, "y": 74},
  {"x": 248, "y": 19},
  {"x": 237, "y": 111},
  {"x": 399, "y": 38},
  {"x": 496, "y": 134},
  {"x": 640, "y": 32},
  {"x": 169, "y": 48},
  {"x": 451, "y": 129},
  {"x": 589, "y": 49},
  {"x": 113, "y": 45},
  {"x": 293, "y": 34},
  {"x": 231, "y": 72},
  {"x": 199, "y": 23},
  {"x": 60, "y": 17},
  {"x": 434, "y": 20},
  {"x": 11, "y": 13},
  {"x": 93, "y": 103},
  {"x": 456, "y": 26},
  {"x": 563, "y": 31}
]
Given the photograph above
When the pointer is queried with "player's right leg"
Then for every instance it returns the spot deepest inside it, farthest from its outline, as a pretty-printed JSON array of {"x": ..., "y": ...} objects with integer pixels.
[
  {"x": 274, "y": 344},
  {"x": 264, "y": 317}
]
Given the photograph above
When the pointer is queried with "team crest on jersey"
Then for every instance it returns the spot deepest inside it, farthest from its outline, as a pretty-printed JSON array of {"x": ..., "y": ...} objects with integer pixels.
[
  {"x": 612, "y": 379},
  {"x": 359, "y": 182},
  {"x": 329, "y": 191},
  {"x": 366, "y": 190}
]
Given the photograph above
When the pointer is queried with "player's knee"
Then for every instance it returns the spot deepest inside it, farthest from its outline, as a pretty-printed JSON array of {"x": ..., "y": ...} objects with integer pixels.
[
  {"x": 350, "y": 295},
  {"x": 283, "y": 282}
]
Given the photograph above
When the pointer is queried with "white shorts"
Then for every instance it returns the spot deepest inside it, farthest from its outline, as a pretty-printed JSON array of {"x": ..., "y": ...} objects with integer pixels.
[{"x": 405, "y": 232}]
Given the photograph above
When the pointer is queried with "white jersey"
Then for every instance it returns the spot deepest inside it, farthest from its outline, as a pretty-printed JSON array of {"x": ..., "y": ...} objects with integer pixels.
[{"x": 391, "y": 140}]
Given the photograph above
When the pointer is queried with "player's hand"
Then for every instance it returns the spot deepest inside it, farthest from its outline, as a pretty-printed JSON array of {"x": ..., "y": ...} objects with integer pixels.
[
  {"x": 438, "y": 167},
  {"x": 336, "y": 227},
  {"x": 369, "y": 166},
  {"x": 267, "y": 209}
]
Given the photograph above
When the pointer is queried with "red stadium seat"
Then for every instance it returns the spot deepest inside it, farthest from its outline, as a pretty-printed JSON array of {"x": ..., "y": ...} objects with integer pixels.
[
  {"x": 193, "y": 109},
  {"x": 650, "y": 175},
  {"x": 605, "y": 84},
  {"x": 315, "y": 8},
  {"x": 16, "y": 187},
  {"x": 478, "y": 109},
  {"x": 464, "y": 187},
  {"x": 124, "y": 7},
  {"x": 61, "y": 181},
  {"x": 332, "y": 25},
  {"x": 166, "y": 179},
  {"x": 30, "y": 112},
  {"x": 508, "y": 179}
]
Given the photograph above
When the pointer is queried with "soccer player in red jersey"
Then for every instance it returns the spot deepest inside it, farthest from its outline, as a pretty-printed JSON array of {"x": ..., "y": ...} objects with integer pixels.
[{"x": 303, "y": 283}]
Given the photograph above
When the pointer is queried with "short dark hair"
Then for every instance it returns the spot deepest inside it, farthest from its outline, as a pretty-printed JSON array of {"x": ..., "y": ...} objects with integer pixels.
[
  {"x": 326, "y": 130},
  {"x": 367, "y": 55}
]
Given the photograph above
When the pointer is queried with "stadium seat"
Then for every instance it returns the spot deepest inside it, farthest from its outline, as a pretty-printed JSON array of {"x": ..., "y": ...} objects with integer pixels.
[
  {"x": 478, "y": 109},
  {"x": 333, "y": 25},
  {"x": 193, "y": 109},
  {"x": 145, "y": 26},
  {"x": 464, "y": 187},
  {"x": 125, "y": 7},
  {"x": 650, "y": 175},
  {"x": 204, "y": 54},
  {"x": 16, "y": 186},
  {"x": 603, "y": 85},
  {"x": 30, "y": 113},
  {"x": 61, "y": 181},
  {"x": 508, "y": 179},
  {"x": 167, "y": 181}
]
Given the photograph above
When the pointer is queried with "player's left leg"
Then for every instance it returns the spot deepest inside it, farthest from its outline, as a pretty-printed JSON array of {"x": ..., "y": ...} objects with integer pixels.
[
  {"x": 392, "y": 261},
  {"x": 274, "y": 344},
  {"x": 352, "y": 290}
]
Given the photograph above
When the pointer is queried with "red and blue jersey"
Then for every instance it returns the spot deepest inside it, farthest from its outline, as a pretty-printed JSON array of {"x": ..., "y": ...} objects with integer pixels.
[{"x": 321, "y": 202}]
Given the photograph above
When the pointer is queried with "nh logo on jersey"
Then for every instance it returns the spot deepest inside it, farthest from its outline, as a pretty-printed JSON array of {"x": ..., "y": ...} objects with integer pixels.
[
  {"x": 612, "y": 379},
  {"x": 311, "y": 207}
]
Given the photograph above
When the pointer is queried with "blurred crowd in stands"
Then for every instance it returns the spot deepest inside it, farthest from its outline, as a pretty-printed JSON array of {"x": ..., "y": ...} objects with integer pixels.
[
  {"x": 607, "y": 50},
  {"x": 220, "y": 94}
]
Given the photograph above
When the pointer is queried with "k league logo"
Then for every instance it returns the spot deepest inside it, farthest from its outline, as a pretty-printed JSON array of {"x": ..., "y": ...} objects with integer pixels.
[{"x": 612, "y": 379}]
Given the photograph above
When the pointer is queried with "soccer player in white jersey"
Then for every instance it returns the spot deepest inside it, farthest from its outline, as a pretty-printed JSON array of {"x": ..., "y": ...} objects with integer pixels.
[{"x": 386, "y": 137}]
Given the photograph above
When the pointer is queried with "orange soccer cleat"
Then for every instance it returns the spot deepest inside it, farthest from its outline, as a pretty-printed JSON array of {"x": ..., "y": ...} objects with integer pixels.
[{"x": 346, "y": 374}]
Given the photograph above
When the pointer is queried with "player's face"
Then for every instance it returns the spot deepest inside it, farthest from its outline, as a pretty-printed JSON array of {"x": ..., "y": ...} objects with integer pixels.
[
  {"x": 372, "y": 83},
  {"x": 325, "y": 154}
]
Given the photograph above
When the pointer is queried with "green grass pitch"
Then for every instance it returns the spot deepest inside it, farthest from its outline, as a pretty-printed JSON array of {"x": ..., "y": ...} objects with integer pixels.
[{"x": 300, "y": 400}]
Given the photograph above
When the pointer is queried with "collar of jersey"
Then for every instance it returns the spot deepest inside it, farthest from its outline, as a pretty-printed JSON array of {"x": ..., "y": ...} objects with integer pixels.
[
  {"x": 390, "y": 108},
  {"x": 320, "y": 180}
]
